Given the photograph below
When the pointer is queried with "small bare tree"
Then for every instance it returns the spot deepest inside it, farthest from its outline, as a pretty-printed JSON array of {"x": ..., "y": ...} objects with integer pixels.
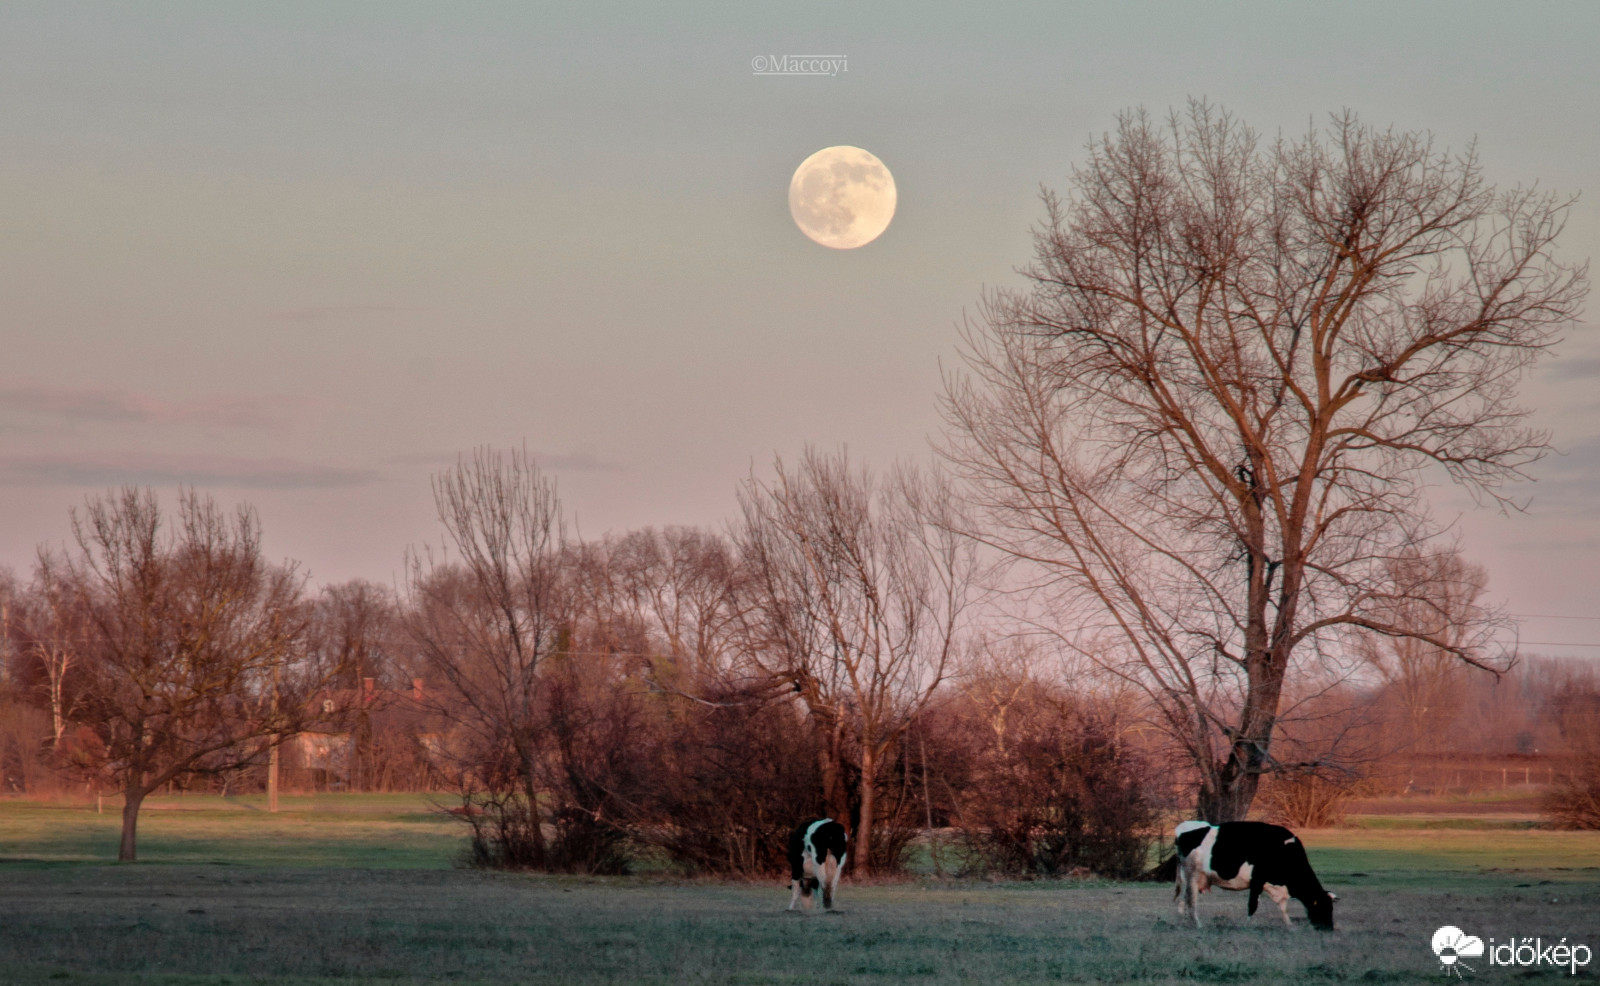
[
  {"x": 856, "y": 596},
  {"x": 682, "y": 582},
  {"x": 1441, "y": 603},
  {"x": 47, "y": 629},
  {"x": 1207, "y": 423},
  {"x": 193, "y": 662},
  {"x": 484, "y": 625},
  {"x": 354, "y": 627}
]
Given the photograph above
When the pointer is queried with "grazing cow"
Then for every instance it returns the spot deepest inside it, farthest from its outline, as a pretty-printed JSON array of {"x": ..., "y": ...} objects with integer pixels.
[
  {"x": 1253, "y": 855},
  {"x": 816, "y": 855}
]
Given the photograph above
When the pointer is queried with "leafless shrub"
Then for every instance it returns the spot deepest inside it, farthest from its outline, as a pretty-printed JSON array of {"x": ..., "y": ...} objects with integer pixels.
[
  {"x": 1309, "y": 800},
  {"x": 1052, "y": 789},
  {"x": 736, "y": 776},
  {"x": 1574, "y": 800}
]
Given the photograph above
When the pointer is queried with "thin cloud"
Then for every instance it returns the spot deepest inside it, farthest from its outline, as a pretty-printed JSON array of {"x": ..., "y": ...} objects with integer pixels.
[
  {"x": 578, "y": 462},
  {"x": 1576, "y": 368},
  {"x": 160, "y": 469},
  {"x": 553, "y": 462},
  {"x": 326, "y": 312},
  {"x": 111, "y": 405},
  {"x": 1569, "y": 480}
]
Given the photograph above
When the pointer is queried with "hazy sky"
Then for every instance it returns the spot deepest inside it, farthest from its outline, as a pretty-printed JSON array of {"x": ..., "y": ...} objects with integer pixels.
[{"x": 303, "y": 254}]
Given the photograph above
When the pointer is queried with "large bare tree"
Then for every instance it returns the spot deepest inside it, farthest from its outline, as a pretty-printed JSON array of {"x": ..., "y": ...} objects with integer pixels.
[
  {"x": 856, "y": 592},
  {"x": 192, "y": 661},
  {"x": 1210, "y": 418}
]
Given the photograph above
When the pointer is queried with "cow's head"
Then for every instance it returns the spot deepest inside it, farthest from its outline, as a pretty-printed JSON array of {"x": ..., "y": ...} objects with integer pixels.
[{"x": 1319, "y": 908}]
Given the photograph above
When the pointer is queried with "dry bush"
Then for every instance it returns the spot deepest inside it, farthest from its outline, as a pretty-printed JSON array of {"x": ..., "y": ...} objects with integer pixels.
[
  {"x": 1062, "y": 794},
  {"x": 23, "y": 730},
  {"x": 1574, "y": 801},
  {"x": 1309, "y": 800},
  {"x": 590, "y": 747},
  {"x": 734, "y": 779}
]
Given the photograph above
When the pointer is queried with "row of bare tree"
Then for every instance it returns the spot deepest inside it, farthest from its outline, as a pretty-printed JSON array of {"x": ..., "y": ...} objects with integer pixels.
[
  {"x": 694, "y": 691},
  {"x": 1191, "y": 458},
  {"x": 580, "y": 696},
  {"x": 842, "y": 594}
]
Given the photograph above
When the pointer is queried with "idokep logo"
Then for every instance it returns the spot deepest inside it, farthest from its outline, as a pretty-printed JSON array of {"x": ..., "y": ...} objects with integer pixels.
[{"x": 1452, "y": 945}]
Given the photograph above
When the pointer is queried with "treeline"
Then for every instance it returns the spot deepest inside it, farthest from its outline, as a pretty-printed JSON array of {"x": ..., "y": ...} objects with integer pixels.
[{"x": 843, "y": 649}]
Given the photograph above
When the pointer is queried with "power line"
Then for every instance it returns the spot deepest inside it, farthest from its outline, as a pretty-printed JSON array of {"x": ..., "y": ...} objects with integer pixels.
[
  {"x": 1550, "y": 616},
  {"x": 1551, "y": 643}
]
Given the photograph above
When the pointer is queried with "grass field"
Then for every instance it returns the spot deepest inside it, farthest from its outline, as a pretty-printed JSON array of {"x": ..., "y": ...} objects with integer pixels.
[
  {"x": 360, "y": 889},
  {"x": 381, "y": 831}
]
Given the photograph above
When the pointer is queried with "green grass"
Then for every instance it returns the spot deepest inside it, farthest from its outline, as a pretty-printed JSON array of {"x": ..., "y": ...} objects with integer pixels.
[
  {"x": 357, "y": 890},
  {"x": 1433, "y": 822},
  {"x": 1453, "y": 858},
  {"x": 369, "y": 830}
]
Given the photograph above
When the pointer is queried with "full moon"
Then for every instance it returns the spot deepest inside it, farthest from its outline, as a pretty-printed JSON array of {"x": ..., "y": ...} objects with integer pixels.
[{"x": 842, "y": 197}]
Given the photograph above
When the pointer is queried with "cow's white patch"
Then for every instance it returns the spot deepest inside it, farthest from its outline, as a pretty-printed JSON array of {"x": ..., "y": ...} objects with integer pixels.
[
  {"x": 1239, "y": 881},
  {"x": 1202, "y": 853},
  {"x": 811, "y": 831}
]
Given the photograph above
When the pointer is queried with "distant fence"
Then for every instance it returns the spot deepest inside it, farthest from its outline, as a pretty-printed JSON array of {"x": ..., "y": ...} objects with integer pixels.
[{"x": 1470, "y": 777}]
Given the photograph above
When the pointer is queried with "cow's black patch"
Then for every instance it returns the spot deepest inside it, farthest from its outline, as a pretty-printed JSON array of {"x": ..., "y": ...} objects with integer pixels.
[
  {"x": 1259, "y": 843},
  {"x": 1189, "y": 841}
]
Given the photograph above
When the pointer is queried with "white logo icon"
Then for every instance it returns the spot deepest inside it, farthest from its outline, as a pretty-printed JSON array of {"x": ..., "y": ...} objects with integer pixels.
[{"x": 1452, "y": 944}]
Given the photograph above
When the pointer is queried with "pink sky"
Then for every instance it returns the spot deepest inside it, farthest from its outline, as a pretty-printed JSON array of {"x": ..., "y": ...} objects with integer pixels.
[{"x": 304, "y": 256}]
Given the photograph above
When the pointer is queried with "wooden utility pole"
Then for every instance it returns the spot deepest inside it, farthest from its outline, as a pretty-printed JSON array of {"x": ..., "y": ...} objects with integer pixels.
[{"x": 272, "y": 776}]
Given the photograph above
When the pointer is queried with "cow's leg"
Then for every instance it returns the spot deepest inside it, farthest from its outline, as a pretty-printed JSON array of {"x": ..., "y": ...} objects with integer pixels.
[
  {"x": 1255, "y": 898},
  {"x": 1280, "y": 896},
  {"x": 811, "y": 882},
  {"x": 1191, "y": 891},
  {"x": 830, "y": 880},
  {"x": 794, "y": 895},
  {"x": 1180, "y": 887}
]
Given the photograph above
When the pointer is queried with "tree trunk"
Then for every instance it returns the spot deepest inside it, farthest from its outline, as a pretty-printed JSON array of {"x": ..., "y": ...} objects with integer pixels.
[
  {"x": 831, "y": 765},
  {"x": 1228, "y": 794},
  {"x": 535, "y": 821},
  {"x": 58, "y": 718},
  {"x": 133, "y": 797},
  {"x": 863, "y": 847}
]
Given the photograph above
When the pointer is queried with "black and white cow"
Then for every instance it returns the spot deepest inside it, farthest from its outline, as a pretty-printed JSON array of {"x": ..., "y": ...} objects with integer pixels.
[
  {"x": 1253, "y": 855},
  {"x": 816, "y": 855}
]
